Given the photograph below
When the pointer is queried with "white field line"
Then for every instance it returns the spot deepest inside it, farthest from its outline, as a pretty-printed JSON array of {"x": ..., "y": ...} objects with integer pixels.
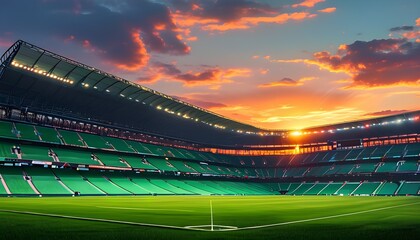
[
  {"x": 96, "y": 219},
  {"x": 147, "y": 209},
  {"x": 326, "y": 217},
  {"x": 211, "y": 215},
  {"x": 205, "y": 230}
]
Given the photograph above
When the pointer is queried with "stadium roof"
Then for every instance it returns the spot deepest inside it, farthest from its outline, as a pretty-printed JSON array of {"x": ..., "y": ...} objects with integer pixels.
[{"x": 29, "y": 57}]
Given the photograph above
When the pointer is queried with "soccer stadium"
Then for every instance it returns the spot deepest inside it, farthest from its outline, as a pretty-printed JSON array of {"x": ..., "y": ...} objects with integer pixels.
[{"x": 85, "y": 154}]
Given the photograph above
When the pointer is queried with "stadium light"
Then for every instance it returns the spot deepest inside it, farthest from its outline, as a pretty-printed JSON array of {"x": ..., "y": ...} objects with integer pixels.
[
  {"x": 296, "y": 133},
  {"x": 41, "y": 72}
]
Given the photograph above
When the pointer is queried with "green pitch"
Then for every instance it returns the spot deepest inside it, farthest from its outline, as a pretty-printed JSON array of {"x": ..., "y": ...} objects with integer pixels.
[{"x": 234, "y": 217}]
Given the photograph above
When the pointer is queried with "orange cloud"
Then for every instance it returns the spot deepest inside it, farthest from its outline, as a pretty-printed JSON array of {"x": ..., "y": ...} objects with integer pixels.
[
  {"x": 308, "y": 3},
  {"x": 328, "y": 10},
  {"x": 140, "y": 54},
  {"x": 376, "y": 63},
  {"x": 384, "y": 113},
  {"x": 264, "y": 71},
  {"x": 286, "y": 82},
  {"x": 241, "y": 23}
]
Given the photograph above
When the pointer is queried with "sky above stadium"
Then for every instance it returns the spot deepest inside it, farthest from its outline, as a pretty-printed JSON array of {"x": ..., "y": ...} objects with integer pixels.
[{"x": 273, "y": 64}]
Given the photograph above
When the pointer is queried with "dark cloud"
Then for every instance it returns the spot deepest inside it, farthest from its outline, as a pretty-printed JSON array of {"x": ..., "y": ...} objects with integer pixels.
[
  {"x": 201, "y": 103},
  {"x": 121, "y": 32},
  {"x": 375, "y": 63},
  {"x": 209, "y": 75},
  {"x": 403, "y": 28},
  {"x": 384, "y": 113}
]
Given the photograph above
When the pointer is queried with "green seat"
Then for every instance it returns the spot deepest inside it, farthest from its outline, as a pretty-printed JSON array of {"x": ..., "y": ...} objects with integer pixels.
[
  {"x": 6, "y": 150},
  {"x": 348, "y": 188},
  {"x": 165, "y": 185},
  {"x": 302, "y": 188},
  {"x": 150, "y": 187},
  {"x": 15, "y": 181},
  {"x": 331, "y": 188},
  {"x": 387, "y": 167},
  {"x": 110, "y": 159},
  {"x": 48, "y": 134},
  {"x": 126, "y": 183},
  {"x": 45, "y": 181},
  {"x": 119, "y": 144},
  {"x": 73, "y": 180},
  {"x": 100, "y": 181},
  {"x": 387, "y": 188},
  {"x": 138, "y": 162},
  {"x": 139, "y": 147},
  {"x": 75, "y": 156},
  {"x": 409, "y": 188},
  {"x": 26, "y": 132},
  {"x": 182, "y": 167},
  {"x": 94, "y": 141},
  {"x": 71, "y": 138},
  {"x": 296, "y": 172},
  {"x": 364, "y": 168},
  {"x": 408, "y": 166},
  {"x": 7, "y": 130},
  {"x": 367, "y": 188},
  {"x": 316, "y": 189},
  {"x": 161, "y": 164},
  {"x": 187, "y": 187},
  {"x": 34, "y": 152}
]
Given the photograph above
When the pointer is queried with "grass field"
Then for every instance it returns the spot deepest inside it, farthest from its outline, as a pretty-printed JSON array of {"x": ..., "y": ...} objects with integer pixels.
[{"x": 262, "y": 217}]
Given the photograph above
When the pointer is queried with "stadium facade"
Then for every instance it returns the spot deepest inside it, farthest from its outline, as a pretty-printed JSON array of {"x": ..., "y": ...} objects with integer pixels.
[{"x": 70, "y": 129}]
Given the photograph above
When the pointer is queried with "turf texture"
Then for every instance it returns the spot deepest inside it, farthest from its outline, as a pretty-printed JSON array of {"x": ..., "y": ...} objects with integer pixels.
[{"x": 293, "y": 217}]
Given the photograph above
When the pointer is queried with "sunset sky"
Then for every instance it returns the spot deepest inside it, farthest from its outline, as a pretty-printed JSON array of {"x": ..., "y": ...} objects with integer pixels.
[{"x": 273, "y": 64}]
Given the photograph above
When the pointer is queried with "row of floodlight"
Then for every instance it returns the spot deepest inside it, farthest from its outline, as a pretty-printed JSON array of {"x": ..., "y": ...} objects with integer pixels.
[
  {"x": 397, "y": 121},
  {"x": 42, "y": 72}
]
